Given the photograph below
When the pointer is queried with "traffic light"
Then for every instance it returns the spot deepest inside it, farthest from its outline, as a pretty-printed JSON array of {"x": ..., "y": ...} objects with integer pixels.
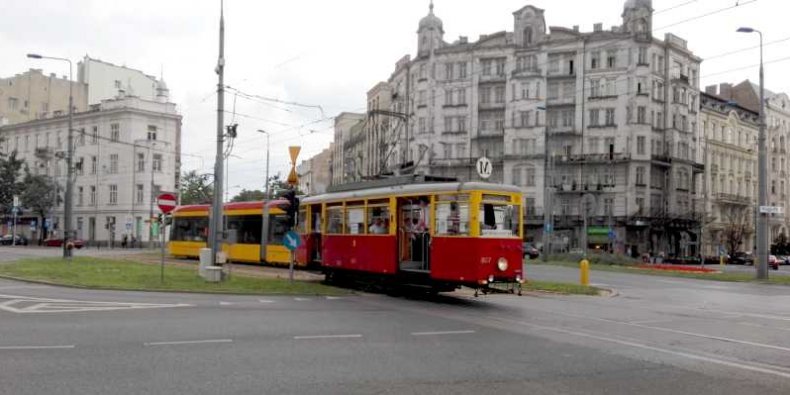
[
  {"x": 159, "y": 218},
  {"x": 292, "y": 210}
]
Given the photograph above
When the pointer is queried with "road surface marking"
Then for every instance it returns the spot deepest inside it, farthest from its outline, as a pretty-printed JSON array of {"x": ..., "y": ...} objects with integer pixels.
[
  {"x": 188, "y": 342},
  {"x": 648, "y": 322},
  {"x": 442, "y": 333},
  {"x": 301, "y": 299},
  {"x": 334, "y": 297},
  {"x": 36, "y": 347},
  {"x": 225, "y": 303},
  {"x": 27, "y": 305},
  {"x": 755, "y": 315},
  {"x": 327, "y": 337},
  {"x": 697, "y": 357},
  {"x": 265, "y": 301}
]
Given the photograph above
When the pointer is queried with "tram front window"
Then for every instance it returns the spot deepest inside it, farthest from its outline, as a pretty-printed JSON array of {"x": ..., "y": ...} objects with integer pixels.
[{"x": 498, "y": 219}]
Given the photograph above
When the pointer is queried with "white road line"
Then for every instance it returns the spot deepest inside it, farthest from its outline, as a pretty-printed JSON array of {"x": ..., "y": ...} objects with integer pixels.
[
  {"x": 265, "y": 301},
  {"x": 301, "y": 299},
  {"x": 188, "y": 342},
  {"x": 36, "y": 347},
  {"x": 661, "y": 350},
  {"x": 442, "y": 333},
  {"x": 327, "y": 337},
  {"x": 334, "y": 297},
  {"x": 225, "y": 303}
]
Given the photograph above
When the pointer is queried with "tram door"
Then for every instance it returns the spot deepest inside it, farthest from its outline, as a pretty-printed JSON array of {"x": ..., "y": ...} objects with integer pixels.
[{"x": 413, "y": 235}]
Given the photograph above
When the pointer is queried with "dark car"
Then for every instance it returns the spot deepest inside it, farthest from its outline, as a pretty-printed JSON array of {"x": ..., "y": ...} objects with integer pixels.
[
  {"x": 59, "y": 243},
  {"x": 741, "y": 258},
  {"x": 530, "y": 251},
  {"x": 8, "y": 240}
]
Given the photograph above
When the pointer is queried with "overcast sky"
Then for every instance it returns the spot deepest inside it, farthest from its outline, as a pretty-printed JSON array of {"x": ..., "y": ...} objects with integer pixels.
[{"x": 329, "y": 53}]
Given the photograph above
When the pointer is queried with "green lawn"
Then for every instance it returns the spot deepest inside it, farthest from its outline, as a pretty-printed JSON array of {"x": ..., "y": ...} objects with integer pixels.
[
  {"x": 123, "y": 274},
  {"x": 732, "y": 277},
  {"x": 563, "y": 288}
]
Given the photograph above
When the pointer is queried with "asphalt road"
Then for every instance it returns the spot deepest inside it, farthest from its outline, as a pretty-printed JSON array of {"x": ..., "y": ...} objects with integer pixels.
[{"x": 657, "y": 336}]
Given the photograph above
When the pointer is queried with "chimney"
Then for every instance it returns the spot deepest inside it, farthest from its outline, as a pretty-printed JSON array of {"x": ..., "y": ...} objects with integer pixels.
[
  {"x": 725, "y": 91},
  {"x": 711, "y": 90},
  {"x": 598, "y": 27},
  {"x": 576, "y": 28}
]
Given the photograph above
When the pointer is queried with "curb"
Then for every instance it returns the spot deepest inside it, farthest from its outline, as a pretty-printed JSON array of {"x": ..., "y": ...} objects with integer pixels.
[{"x": 170, "y": 291}]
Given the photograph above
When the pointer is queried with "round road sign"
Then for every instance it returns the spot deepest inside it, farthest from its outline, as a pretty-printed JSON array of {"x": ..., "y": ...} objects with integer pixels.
[
  {"x": 166, "y": 202},
  {"x": 484, "y": 167}
]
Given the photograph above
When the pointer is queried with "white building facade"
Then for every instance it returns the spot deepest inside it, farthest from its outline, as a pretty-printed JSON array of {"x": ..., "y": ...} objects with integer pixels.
[
  {"x": 108, "y": 81},
  {"x": 127, "y": 151}
]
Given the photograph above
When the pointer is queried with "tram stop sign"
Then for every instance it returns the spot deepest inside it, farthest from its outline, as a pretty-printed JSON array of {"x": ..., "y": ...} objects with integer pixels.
[
  {"x": 291, "y": 240},
  {"x": 166, "y": 202}
]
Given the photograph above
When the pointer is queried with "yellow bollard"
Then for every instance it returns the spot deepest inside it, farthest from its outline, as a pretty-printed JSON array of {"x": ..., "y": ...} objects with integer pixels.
[
  {"x": 721, "y": 260},
  {"x": 584, "y": 272}
]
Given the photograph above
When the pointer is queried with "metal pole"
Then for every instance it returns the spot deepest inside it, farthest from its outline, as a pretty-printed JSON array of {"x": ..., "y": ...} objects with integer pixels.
[
  {"x": 762, "y": 220},
  {"x": 546, "y": 199},
  {"x": 162, "y": 261},
  {"x": 68, "y": 209},
  {"x": 268, "y": 197},
  {"x": 151, "y": 204},
  {"x": 13, "y": 239},
  {"x": 215, "y": 226},
  {"x": 291, "y": 267}
]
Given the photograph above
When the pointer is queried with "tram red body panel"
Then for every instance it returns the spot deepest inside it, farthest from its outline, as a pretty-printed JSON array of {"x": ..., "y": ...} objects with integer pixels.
[
  {"x": 473, "y": 259},
  {"x": 302, "y": 251},
  {"x": 372, "y": 254}
]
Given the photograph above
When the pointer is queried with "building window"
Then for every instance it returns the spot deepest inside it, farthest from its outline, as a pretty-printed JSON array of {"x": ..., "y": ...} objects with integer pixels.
[
  {"x": 151, "y": 132},
  {"x": 640, "y": 145},
  {"x": 421, "y": 122},
  {"x": 93, "y": 195},
  {"x": 448, "y": 151},
  {"x": 157, "y": 162},
  {"x": 486, "y": 66},
  {"x": 461, "y": 124},
  {"x": 113, "y": 194},
  {"x": 462, "y": 70},
  {"x": 640, "y": 175},
  {"x": 80, "y": 137},
  {"x": 594, "y": 117},
  {"x": 140, "y": 162},
  {"x": 461, "y": 96},
  {"x": 115, "y": 132},
  {"x": 530, "y": 181},
  {"x": 139, "y": 194},
  {"x": 641, "y": 115},
  {"x": 80, "y": 198},
  {"x": 485, "y": 95},
  {"x": 642, "y": 56},
  {"x": 94, "y": 164},
  {"x": 95, "y": 135},
  {"x": 595, "y": 60},
  {"x": 13, "y": 104},
  {"x": 500, "y": 67},
  {"x": 460, "y": 150},
  {"x": 113, "y": 163},
  {"x": 448, "y": 71},
  {"x": 499, "y": 94},
  {"x": 610, "y": 117},
  {"x": 524, "y": 115},
  {"x": 448, "y": 97}
]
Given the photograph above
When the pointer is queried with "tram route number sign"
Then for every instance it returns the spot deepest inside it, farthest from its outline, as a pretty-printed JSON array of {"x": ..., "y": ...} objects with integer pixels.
[
  {"x": 292, "y": 240},
  {"x": 484, "y": 167}
]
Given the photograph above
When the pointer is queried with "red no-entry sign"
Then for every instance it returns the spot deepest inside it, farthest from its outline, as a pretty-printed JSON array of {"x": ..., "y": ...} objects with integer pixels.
[{"x": 166, "y": 202}]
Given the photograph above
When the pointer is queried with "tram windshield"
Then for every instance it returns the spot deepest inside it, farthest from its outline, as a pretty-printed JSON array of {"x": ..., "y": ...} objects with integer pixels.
[{"x": 498, "y": 219}]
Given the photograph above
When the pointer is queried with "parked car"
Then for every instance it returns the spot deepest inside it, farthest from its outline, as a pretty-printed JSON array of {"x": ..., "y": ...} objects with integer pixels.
[
  {"x": 8, "y": 240},
  {"x": 530, "y": 251},
  {"x": 741, "y": 258},
  {"x": 78, "y": 243},
  {"x": 773, "y": 262}
]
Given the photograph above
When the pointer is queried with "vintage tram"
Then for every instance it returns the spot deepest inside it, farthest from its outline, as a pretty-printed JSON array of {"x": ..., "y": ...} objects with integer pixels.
[{"x": 441, "y": 235}]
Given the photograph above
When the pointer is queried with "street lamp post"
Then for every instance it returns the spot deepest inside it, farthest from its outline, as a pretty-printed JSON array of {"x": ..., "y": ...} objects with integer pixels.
[
  {"x": 267, "y": 163},
  {"x": 762, "y": 170},
  {"x": 68, "y": 210}
]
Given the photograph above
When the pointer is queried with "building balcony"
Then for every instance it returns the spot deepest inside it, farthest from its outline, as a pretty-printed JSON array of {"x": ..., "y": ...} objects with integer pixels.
[
  {"x": 489, "y": 134},
  {"x": 561, "y": 74},
  {"x": 534, "y": 72},
  {"x": 732, "y": 198},
  {"x": 564, "y": 130},
  {"x": 493, "y": 78},
  {"x": 592, "y": 158},
  {"x": 561, "y": 101},
  {"x": 518, "y": 156},
  {"x": 491, "y": 106}
]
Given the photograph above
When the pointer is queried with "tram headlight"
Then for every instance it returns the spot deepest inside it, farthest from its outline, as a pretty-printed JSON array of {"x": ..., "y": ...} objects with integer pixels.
[{"x": 501, "y": 264}]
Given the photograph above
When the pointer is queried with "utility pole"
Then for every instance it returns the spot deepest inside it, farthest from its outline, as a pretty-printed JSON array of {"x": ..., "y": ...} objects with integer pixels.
[
  {"x": 215, "y": 225},
  {"x": 266, "y": 184}
]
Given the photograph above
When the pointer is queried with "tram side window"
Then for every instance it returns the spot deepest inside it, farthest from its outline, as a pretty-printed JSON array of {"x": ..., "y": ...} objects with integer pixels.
[
  {"x": 248, "y": 228},
  {"x": 452, "y": 218},
  {"x": 378, "y": 220},
  {"x": 355, "y": 220},
  {"x": 190, "y": 229},
  {"x": 498, "y": 219},
  {"x": 334, "y": 218},
  {"x": 278, "y": 225},
  {"x": 316, "y": 223},
  {"x": 300, "y": 222}
]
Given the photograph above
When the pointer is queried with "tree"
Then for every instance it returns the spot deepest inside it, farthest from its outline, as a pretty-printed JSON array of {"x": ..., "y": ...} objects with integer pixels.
[
  {"x": 40, "y": 194},
  {"x": 10, "y": 185},
  {"x": 781, "y": 246},
  {"x": 278, "y": 186},
  {"x": 196, "y": 188},
  {"x": 249, "y": 195},
  {"x": 735, "y": 228}
]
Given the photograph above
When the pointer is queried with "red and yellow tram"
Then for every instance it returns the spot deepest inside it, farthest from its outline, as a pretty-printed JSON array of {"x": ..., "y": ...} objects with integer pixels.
[{"x": 442, "y": 235}]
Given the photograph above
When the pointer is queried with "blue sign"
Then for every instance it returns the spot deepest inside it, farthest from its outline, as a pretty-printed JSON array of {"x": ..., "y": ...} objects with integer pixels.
[
  {"x": 292, "y": 240},
  {"x": 547, "y": 228}
]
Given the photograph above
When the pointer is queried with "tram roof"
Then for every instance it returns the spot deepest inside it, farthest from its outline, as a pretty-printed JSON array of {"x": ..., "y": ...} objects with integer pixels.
[
  {"x": 414, "y": 189},
  {"x": 230, "y": 206}
]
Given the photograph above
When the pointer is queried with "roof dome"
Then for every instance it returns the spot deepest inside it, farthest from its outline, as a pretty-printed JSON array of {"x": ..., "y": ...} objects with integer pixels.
[
  {"x": 160, "y": 85},
  {"x": 431, "y": 21}
]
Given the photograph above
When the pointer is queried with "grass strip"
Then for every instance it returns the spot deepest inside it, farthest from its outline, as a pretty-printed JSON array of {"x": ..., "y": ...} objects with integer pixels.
[
  {"x": 562, "y": 288},
  {"x": 105, "y": 273}
]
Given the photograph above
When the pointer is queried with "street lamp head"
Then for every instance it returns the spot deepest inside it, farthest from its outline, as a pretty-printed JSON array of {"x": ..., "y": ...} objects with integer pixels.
[
  {"x": 262, "y": 131},
  {"x": 34, "y": 56},
  {"x": 745, "y": 30}
]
